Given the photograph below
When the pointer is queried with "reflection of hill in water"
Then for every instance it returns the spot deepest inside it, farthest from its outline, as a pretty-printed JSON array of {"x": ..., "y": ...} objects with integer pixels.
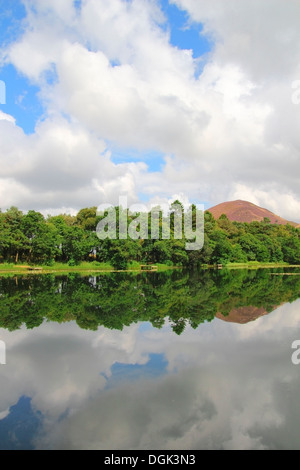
[
  {"x": 117, "y": 300},
  {"x": 243, "y": 315}
]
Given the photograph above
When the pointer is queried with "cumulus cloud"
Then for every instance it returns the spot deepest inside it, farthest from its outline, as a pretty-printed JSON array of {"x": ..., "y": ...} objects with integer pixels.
[
  {"x": 61, "y": 164},
  {"x": 116, "y": 79},
  {"x": 7, "y": 117}
]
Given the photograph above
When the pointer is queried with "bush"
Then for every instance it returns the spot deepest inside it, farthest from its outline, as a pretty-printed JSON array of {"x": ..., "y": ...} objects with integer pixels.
[
  {"x": 72, "y": 262},
  {"x": 169, "y": 263},
  {"x": 119, "y": 261}
]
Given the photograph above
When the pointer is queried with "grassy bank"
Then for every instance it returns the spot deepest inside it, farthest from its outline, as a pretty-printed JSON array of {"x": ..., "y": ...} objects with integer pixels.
[
  {"x": 258, "y": 265},
  {"x": 95, "y": 267},
  {"x": 62, "y": 268}
]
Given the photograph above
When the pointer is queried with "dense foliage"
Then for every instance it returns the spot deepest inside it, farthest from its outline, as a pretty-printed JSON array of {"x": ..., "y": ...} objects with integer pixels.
[
  {"x": 116, "y": 300},
  {"x": 32, "y": 238}
]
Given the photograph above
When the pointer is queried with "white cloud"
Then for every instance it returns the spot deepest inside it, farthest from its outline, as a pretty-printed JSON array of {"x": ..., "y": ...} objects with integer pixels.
[
  {"x": 62, "y": 164},
  {"x": 258, "y": 36},
  {"x": 271, "y": 199},
  {"x": 7, "y": 117},
  {"x": 4, "y": 414}
]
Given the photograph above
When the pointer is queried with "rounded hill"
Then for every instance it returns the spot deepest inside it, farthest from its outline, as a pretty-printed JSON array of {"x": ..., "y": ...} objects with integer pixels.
[{"x": 244, "y": 211}]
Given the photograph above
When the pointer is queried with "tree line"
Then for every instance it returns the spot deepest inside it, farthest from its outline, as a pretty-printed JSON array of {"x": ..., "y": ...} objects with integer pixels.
[{"x": 35, "y": 239}]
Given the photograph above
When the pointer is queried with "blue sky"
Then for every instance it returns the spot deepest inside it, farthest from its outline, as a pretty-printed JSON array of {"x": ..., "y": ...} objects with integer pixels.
[
  {"x": 185, "y": 34},
  {"x": 22, "y": 100},
  {"x": 20, "y": 427},
  {"x": 12, "y": 13},
  {"x": 155, "y": 367}
]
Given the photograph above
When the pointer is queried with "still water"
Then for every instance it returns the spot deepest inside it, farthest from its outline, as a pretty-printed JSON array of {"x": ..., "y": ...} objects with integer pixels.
[{"x": 158, "y": 361}]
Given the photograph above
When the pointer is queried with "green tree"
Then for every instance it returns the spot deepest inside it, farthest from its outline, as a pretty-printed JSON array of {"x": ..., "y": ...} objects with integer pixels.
[{"x": 87, "y": 219}]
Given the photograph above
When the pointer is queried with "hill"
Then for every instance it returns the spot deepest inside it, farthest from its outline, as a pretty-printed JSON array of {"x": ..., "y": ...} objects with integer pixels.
[
  {"x": 243, "y": 315},
  {"x": 244, "y": 211}
]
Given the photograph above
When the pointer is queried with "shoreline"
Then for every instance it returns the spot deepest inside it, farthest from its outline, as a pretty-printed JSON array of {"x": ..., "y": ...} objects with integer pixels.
[
  {"x": 59, "y": 269},
  {"x": 255, "y": 265},
  {"x": 35, "y": 270}
]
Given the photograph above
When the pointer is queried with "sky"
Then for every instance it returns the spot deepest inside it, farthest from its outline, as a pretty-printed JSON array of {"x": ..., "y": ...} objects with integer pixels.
[{"x": 157, "y": 100}]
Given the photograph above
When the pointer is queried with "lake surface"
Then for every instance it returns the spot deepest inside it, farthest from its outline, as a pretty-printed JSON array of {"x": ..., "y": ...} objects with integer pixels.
[{"x": 159, "y": 361}]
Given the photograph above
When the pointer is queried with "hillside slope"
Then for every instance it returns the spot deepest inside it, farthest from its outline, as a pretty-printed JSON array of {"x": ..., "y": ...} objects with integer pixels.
[
  {"x": 243, "y": 315},
  {"x": 244, "y": 211}
]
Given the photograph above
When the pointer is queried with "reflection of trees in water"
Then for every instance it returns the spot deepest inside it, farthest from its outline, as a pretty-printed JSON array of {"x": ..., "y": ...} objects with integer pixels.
[{"x": 120, "y": 299}]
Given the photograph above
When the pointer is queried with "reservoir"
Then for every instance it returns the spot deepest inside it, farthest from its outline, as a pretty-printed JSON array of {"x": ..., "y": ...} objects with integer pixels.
[{"x": 187, "y": 360}]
